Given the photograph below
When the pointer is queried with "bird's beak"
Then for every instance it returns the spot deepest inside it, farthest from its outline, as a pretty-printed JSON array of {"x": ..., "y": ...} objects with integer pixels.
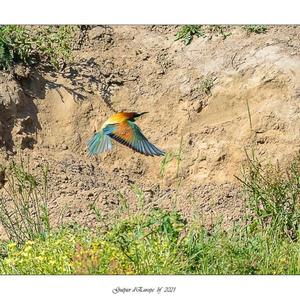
[{"x": 140, "y": 114}]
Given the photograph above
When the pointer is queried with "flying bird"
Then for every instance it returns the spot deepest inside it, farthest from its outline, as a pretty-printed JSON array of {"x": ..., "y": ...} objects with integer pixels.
[{"x": 121, "y": 128}]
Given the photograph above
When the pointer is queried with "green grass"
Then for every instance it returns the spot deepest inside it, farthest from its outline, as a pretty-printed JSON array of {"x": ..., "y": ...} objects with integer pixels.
[
  {"x": 157, "y": 243},
  {"x": 273, "y": 195},
  {"x": 139, "y": 245},
  {"x": 51, "y": 45},
  {"x": 265, "y": 241},
  {"x": 24, "y": 202},
  {"x": 168, "y": 158}
]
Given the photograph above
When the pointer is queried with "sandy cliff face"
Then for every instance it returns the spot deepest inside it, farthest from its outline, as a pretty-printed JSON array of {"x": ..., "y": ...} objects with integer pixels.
[{"x": 199, "y": 98}]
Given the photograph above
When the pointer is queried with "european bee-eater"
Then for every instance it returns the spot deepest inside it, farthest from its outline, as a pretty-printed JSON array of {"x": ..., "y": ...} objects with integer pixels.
[{"x": 121, "y": 127}]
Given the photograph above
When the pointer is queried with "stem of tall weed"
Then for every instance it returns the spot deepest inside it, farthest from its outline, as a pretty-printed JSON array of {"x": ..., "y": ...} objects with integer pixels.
[{"x": 24, "y": 203}]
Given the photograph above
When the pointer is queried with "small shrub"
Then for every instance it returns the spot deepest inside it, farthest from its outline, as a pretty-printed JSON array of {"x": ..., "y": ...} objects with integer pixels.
[{"x": 187, "y": 32}]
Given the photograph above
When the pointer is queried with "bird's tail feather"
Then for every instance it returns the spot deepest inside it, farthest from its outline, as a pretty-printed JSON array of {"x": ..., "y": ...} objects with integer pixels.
[{"x": 100, "y": 142}]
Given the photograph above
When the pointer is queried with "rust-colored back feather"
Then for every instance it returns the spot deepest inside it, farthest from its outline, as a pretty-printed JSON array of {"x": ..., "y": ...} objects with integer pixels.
[{"x": 124, "y": 131}]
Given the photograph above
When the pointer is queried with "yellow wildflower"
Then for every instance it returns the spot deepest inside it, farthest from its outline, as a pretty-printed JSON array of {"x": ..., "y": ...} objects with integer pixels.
[
  {"x": 29, "y": 243},
  {"x": 27, "y": 249},
  {"x": 11, "y": 246}
]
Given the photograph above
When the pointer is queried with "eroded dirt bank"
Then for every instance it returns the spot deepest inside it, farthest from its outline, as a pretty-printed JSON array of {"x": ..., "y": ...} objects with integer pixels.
[{"x": 49, "y": 117}]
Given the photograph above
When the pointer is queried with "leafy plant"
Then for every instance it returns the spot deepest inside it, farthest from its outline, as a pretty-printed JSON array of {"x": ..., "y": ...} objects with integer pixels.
[
  {"x": 54, "y": 44},
  {"x": 51, "y": 45},
  {"x": 222, "y": 30},
  {"x": 258, "y": 29},
  {"x": 187, "y": 32},
  {"x": 19, "y": 42},
  {"x": 206, "y": 85},
  {"x": 6, "y": 56}
]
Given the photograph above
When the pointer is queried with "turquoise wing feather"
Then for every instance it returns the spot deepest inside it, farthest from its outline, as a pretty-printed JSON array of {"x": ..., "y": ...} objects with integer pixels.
[
  {"x": 141, "y": 143},
  {"x": 100, "y": 142}
]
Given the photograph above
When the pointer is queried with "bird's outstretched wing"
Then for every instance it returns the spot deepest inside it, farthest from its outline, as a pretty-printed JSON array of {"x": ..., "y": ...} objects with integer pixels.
[
  {"x": 129, "y": 134},
  {"x": 100, "y": 142}
]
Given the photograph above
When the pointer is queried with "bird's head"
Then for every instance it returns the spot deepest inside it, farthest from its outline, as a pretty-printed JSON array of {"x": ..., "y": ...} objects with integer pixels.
[
  {"x": 132, "y": 116},
  {"x": 123, "y": 116}
]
